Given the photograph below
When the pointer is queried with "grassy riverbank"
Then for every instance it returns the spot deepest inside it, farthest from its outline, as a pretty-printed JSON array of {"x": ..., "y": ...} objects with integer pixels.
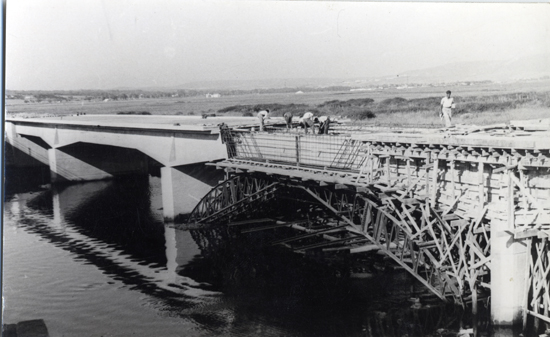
[{"x": 494, "y": 103}]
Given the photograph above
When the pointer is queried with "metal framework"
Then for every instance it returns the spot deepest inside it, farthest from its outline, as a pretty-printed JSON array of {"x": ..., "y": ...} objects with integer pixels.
[
  {"x": 233, "y": 197},
  {"x": 426, "y": 201},
  {"x": 443, "y": 253}
]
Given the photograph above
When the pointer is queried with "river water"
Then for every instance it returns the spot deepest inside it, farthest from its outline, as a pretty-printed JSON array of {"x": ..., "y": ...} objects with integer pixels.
[{"x": 96, "y": 259}]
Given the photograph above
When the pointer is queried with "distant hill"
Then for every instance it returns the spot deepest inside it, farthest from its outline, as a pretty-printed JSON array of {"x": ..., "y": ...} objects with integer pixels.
[
  {"x": 522, "y": 68},
  {"x": 532, "y": 67}
]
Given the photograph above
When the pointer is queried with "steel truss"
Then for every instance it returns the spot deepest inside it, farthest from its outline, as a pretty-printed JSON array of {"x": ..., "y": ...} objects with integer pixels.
[
  {"x": 233, "y": 197},
  {"x": 442, "y": 251}
]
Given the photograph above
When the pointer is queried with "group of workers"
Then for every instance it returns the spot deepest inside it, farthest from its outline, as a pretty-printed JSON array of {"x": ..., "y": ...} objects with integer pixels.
[{"x": 308, "y": 120}]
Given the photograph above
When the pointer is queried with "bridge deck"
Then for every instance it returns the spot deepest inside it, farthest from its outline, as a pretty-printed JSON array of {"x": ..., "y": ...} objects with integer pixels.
[{"x": 139, "y": 122}]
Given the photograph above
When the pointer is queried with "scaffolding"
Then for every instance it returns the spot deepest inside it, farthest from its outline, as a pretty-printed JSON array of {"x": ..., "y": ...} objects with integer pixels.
[{"x": 431, "y": 201}]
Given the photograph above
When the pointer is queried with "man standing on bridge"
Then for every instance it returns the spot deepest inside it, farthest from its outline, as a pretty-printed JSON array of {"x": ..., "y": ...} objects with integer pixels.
[
  {"x": 262, "y": 115},
  {"x": 447, "y": 106}
]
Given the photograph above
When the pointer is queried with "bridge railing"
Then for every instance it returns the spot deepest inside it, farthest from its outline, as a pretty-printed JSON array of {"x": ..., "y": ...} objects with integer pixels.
[{"x": 326, "y": 151}]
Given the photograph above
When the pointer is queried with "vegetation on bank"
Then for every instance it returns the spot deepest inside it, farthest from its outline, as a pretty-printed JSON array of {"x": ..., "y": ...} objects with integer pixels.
[
  {"x": 367, "y": 108},
  {"x": 489, "y": 105},
  {"x": 275, "y": 109}
]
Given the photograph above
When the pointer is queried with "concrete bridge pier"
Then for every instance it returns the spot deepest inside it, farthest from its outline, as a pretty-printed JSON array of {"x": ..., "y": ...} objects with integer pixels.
[
  {"x": 184, "y": 186},
  {"x": 509, "y": 261}
]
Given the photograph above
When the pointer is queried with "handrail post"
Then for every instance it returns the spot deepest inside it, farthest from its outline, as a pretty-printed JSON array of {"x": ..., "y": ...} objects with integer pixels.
[{"x": 297, "y": 150}]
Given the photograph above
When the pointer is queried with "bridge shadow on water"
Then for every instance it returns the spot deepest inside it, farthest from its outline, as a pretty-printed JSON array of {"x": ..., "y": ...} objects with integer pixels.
[{"x": 226, "y": 282}]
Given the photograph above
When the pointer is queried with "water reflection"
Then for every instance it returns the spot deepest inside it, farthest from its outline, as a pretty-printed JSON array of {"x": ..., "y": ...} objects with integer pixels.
[
  {"x": 224, "y": 282},
  {"x": 109, "y": 224}
]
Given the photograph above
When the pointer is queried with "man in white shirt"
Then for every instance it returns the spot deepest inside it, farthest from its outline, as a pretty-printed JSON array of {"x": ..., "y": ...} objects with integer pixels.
[
  {"x": 262, "y": 115},
  {"x": 307, "y": 121},
  {"x": 447, "y": 106}
]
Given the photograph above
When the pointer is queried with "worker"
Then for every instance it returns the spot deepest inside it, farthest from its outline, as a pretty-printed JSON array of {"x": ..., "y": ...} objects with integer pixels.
[
  {"x": 447, "y": 106},
  {"x": 262, "y": 116},
  {"x": 307, "y": 120},
  {"x": 324, "y": 122},
  {"x": 288, "y": 119}
]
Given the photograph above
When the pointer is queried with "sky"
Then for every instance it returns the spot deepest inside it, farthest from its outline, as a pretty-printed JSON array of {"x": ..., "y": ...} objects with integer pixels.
[{"x": 105, "y": 44}]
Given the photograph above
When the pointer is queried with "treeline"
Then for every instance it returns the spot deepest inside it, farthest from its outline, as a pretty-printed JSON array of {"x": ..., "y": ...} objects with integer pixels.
[
  {"x": 89, "y": 95},
  {"x": 115, "y": 95}
]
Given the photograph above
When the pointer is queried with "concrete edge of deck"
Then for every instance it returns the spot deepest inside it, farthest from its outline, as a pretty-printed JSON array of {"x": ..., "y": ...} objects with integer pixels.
[{"x": 185, "y": 128}]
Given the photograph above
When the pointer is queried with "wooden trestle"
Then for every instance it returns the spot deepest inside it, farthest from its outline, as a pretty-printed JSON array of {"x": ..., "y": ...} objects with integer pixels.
[{"x": 437, "y": 202}]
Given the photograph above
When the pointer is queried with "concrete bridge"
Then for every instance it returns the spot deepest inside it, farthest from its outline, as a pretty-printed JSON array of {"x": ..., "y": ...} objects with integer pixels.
[
  {"x": 466, "y": 211},
  {"x": 100, "y": 147}
]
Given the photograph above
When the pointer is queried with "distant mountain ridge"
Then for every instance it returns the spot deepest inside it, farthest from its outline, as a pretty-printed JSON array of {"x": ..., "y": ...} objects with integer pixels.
[
  {"x": 521, "y": 68},
  {"x": 530, "y": 67}
]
